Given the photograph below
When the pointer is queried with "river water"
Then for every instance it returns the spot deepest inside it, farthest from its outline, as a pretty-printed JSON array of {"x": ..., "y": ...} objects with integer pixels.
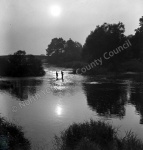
[{"x": 44, "y": 106}]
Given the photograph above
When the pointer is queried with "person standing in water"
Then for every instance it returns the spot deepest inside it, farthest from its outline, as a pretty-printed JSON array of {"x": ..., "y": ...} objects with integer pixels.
[
  {"x": 62, "y": 75},
  {"x": 56, "y": 75}
]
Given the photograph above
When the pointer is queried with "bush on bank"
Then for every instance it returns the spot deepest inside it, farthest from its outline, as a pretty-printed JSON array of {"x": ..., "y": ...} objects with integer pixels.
[
  {"x": 21, "y": 65},
  {"x": 129, "y": 66},
  {"x": 95, "y": 136},
  {"x": 12, "y": 137},
  {"x": 72, "y": 64}
]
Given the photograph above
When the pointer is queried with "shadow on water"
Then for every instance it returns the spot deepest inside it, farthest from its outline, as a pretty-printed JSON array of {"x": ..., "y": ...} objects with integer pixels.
[
  {"x": 20, "y": 89},
  {"x": 110, "y": 98},
  {"x": 136, "y": 92},
  {"x": 137, "y": 100},
  {"x": 106, "y": 99}
]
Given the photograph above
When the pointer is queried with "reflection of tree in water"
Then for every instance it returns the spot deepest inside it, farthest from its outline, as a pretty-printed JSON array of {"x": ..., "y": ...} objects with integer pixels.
[
  {"x": 137, "y": 99},
  {"x": 21, "y": 89},
  {"x": 135, "y": 91},
  {"x": 106, "y": 99}
]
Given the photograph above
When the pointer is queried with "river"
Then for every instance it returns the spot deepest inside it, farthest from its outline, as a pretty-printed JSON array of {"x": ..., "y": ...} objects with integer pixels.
[{"x": 44, "y": 106}]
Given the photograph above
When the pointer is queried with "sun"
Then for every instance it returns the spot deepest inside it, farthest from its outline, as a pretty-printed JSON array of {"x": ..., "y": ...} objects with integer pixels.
[{"x": 55, "y": 10}]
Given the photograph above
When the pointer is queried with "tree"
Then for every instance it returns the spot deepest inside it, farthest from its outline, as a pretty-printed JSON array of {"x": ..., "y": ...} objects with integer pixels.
[
  {"x": 59, "y": 50},
  {"x": 55, "y": 50},
  {"x": 138, "y": 41},
  {"x": 72, "y": 50},
  {"x": 18, "y": 58},
  {"x": 56, "y": 47},
  {"x": 20, "y": 53},
  {"x": 21, "y": 65},
  {"x": 103, "y": 39},
  {"x": 140, "y": 29}
]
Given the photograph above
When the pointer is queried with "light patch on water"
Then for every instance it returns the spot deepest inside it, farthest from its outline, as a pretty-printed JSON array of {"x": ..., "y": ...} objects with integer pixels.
[
  {"x": 94, "y": 83},
  {"x": 59, "y": 110}
]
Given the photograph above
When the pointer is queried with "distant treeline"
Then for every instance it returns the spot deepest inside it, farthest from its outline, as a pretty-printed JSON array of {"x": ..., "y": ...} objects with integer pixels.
[
  {"x": 106, "y": 43},
  {"x": 42, "y": 58},
  {"x": 106, "y": 38},
  {"x": 20, "y": 65}
]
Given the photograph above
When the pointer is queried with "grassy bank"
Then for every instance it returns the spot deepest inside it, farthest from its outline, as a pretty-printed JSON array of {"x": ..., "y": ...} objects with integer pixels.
[
  {"x": 132, "y": 66},
  {"x": 95, "y": 136},
  {"x": 12, "y": 137},
  {"x": 73, "y": 64},
  {"x": 111, "y": 70}
]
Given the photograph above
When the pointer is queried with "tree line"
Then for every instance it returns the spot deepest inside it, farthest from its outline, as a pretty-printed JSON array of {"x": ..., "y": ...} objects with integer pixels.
[
  {"x": 59, "y": 50},
  {"x": 104, "y": 38},
  {"x": 21, "y": 65}
]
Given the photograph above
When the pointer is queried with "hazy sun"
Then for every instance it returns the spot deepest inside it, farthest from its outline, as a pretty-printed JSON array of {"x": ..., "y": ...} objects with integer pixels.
[{"x": 55, "y": 10}]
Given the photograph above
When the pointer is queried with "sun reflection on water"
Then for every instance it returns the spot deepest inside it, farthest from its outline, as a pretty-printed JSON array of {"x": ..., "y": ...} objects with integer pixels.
[
  {"x": 59, "y": 110},
  {"x": 128, "y": 90}
]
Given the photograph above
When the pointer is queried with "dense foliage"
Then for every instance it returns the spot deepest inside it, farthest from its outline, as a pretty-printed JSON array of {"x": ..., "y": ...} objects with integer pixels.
[
  {"x": 12, "y": 137},
  {"x": 95, "y": 136},
  {"x": 137, "y": 41},
  {"x": 21, "y": 65},
  {"x": 60, "y": 50},
  {"x": 110, "y": 37},
  {"x": 103, "y": 39},
  {"x": 106, "y": 39}
]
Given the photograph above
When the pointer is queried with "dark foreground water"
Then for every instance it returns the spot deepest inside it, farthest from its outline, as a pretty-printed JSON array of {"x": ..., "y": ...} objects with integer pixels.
[{"x": 45, "y": 106}]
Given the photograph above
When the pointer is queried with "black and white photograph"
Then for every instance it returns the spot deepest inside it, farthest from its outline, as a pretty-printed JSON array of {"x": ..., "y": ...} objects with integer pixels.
[{"x": 71, "y": 74}]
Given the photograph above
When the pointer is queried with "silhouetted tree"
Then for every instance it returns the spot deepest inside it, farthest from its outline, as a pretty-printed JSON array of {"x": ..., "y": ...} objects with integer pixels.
[
  {"x": 72, "y": 50},
  {"x": 104, "y": 38},
  {"x": 138, "y": 41},
  {"x": 56, "y": 47},
  {"x": 60, "y": 50},
  {"x": 20, "y": 65}
]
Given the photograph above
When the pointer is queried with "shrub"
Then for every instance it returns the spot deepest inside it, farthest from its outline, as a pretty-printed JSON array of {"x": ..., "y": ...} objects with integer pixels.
[
  {"x": 95, "y": 132},
  {"x": 21, "y": 65},
  {"x": 95, "y": 136},
  {"x": 12, "y": 137}
]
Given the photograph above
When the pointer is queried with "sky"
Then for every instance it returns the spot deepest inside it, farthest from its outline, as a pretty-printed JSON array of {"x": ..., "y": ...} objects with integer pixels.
[{"x": 29, "y": 24}]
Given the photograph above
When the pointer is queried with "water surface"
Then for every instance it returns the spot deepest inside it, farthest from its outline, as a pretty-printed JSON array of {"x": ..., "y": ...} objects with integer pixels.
[{"x": 44, "y": 106}]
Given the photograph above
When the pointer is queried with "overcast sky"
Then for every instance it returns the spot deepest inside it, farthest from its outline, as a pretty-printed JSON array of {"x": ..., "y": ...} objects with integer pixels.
[{"x": 28, "y": 24}]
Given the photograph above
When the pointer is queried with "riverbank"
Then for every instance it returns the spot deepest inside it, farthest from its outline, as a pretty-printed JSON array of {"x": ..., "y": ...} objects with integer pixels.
[
  {"x": 58, "y": 102},
  {"x": 91, "y": 69},
  {"x": 73, "y": 64},
  {"x": 21, "y": 65},
  {"x": 80, "y": 67}
]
